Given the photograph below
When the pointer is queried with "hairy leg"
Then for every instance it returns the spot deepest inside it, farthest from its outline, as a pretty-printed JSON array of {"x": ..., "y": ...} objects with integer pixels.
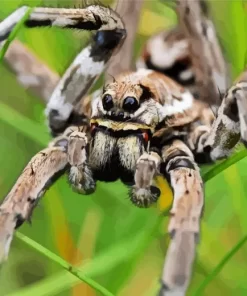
[
  {"x": 39, "y": 174},
  {"x": 144, "y": 193},
  {"x": 184, "y": 177}
]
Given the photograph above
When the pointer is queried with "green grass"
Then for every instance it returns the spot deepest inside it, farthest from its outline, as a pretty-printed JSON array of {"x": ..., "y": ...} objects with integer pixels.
[
  {"x": 65, "y": 265},
  {"x": 220, "y": 266},
  {"x": 14, "y": 33},
  {"x": 117, "y": 246}
]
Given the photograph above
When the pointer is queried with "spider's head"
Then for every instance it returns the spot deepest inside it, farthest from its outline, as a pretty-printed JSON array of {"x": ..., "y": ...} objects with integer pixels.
[
  {"x": 125, "y": 118},
  {"x": 128, "y": 103},
  {"x": 133, "y": 106},
  {"x": 123, "y": 121}
]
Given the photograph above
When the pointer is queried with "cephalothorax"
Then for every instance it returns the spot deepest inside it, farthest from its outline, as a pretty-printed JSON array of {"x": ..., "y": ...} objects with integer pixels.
[{"x": 140, "y": 125}]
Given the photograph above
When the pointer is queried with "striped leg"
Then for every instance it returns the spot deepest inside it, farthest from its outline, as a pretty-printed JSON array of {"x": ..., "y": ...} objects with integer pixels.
[
  {"x": 184, "y": 177},
  {"x": 196, "y": 142},
  {"x": 205, "y": 51},
  {"x": 39, "y": 174},
  {"x": 90, "y": 62}
]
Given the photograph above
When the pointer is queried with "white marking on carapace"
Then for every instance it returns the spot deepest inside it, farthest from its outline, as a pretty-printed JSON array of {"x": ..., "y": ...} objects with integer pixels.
[{"x": 177, "y": 106}]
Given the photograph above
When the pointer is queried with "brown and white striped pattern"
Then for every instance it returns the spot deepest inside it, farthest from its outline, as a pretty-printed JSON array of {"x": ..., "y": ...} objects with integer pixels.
[
  {"x": 88, "y": 64},
  {"x": 184, "y": 226}
]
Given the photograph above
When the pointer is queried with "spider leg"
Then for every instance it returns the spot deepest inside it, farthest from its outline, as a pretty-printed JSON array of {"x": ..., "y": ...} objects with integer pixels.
[
  {"x": 205, "y": 51},
  {"x": 144, "y": 193},
  {"x": 184, "y": 177},
  {"x": 80, "y": 175},
  {"x": 39, "y": 174},
  {"x": 88, "y": 64},
  {"x": 196, "y": 140},
  {"x": 228, "y": 128}
]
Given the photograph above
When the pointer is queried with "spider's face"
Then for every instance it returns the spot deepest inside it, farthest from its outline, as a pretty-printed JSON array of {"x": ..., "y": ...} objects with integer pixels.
[
  {"x": 121, "y": 100},
  {"x": 127, "y": 104}
]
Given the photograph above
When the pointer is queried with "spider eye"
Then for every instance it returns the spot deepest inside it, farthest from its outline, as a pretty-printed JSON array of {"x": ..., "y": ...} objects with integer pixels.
[
  {"x": 107, "y": 102},
  {"x": 130, "y": 104}
]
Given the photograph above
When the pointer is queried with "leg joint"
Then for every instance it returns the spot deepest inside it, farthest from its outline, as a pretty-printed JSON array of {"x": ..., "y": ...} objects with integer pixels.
[
  {"x": 105, "y": 42},
  {"x": 180, "y": 162},
  {"x": 176, "y": 153}
]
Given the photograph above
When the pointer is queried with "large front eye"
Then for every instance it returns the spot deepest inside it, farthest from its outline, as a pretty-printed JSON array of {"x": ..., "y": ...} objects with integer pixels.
[
  {"x": 130, "y": 104},
  {"x": 107, "y": 102}
]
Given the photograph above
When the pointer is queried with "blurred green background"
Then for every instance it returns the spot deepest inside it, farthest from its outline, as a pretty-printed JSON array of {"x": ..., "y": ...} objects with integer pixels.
[{"x": 116, "y": 244}]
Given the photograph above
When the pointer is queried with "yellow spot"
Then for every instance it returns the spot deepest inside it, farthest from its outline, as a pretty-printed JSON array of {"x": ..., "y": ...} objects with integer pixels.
[
  {"x": 155, "y": 23},
  {"x": 166, "y": 196}
]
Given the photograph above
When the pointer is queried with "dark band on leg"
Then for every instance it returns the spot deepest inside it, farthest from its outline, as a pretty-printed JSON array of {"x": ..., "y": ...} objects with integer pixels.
[
  {"x": 4, "y": 37},
  {"x": 174, "y": 154},
  {"x": 180, "y": 162},
  {"x": 93, "y": 17},
  {"x": 231, "y": 110},
  {"x": 164, "y": 289},
  {"x": 104, "y": 42},
  {"x": 77, "y": 23}
]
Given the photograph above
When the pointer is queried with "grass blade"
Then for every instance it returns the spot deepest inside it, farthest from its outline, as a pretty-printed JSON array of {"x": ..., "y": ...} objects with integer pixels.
[
  {"x": 220, "y": 167},
  {"x": 64, "y": 264},
  {"x": 102, "y": 264},
  {"x": 26, "y": 126},
  {"x": 14, "y": 33},
  {"x": 220, "y": 266}
]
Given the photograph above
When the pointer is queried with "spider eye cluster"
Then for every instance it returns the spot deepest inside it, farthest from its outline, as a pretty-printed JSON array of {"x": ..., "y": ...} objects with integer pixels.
[
  {"x": 130, "y": 104},
  {"x": 107, "y": 102}
]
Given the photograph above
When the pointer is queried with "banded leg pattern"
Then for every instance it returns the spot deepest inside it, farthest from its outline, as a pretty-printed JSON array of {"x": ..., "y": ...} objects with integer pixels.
[
  {"x": 88, "y": 64},
  {"x": 184, "y": 226}
]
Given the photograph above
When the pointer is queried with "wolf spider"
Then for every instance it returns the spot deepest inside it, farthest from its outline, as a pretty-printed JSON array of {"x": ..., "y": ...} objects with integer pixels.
[{"x": 144, "y": 123}]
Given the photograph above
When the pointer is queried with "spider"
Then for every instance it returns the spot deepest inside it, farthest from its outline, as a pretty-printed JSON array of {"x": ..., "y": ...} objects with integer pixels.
[{"x": 143, "y": 123}]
